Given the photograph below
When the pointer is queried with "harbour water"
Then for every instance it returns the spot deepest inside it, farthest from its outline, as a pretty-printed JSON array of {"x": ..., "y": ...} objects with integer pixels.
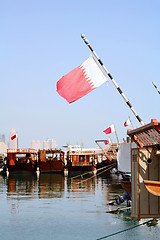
[{"x": 52, "y": 206}]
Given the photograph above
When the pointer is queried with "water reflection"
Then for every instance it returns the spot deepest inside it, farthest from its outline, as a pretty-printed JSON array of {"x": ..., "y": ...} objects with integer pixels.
[
  {"x": 29, "y": 186},
  {"x": 58, "y": 207}
]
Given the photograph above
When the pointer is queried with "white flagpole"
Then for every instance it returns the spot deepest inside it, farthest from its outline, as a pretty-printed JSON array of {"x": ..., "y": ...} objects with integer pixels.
[
  {"x": 116, "y": 134},
  {"x": 131, "y": 122}
]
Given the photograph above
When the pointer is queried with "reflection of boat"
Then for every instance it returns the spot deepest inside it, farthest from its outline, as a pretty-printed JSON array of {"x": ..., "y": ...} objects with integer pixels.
[
  {"x": 29, "y": 186},
  {"x": 51, "y": 160},
  {"x": 2, "y": 160},
  {"x": 153, "y": 187},
  {"x": 21, "y": 160},
  {"x": 81, "y": 160}
]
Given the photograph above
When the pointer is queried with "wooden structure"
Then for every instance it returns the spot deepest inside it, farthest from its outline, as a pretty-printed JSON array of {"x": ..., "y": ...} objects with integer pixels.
[
  {"x": 81, "y": 160},
  {"x": 108, "y": 156},
  {"x": 153, "y": 187},
  {"x": 51, "y": 161},
  {"x": 145, "y": 171},
  {"x": 22, "y": 160}
]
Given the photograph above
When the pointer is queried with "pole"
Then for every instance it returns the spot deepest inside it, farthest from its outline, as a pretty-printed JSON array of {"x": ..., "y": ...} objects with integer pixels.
[
  {"x": 105, "y": 153},
  {"x": 156, "y": 87},
  {"x": 116, "y": 135},
  {"x": 131, "y": 122},
  {"x": 110, "y": 76}
]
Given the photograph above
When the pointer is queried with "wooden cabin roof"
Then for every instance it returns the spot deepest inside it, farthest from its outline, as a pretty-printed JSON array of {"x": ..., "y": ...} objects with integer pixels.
[
  {"x": 147, "y": 135},
  {"x": 52, "y": 151},
  {"x": 24, "y": 150}
]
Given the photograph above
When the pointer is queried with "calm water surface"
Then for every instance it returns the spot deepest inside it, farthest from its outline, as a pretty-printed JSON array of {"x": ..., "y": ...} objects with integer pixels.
[{"x": 55, "y": 207}]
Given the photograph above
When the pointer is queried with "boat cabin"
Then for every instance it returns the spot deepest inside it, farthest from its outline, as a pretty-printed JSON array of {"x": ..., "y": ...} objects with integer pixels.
[
  {"x": 22, "y": 160},
  {"x": 145, "y": 171},
  {"x": 81, "y": 160},
  {"x": 51, "y": 160}
]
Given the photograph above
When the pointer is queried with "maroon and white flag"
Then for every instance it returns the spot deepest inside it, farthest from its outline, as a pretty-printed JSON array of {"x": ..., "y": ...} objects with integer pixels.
[
  {"x": 127, "y": 122},
  {"x": 81, "y": 80},
  {"x": 108, "y": 141},
  {"x": 13, "y": 137},
  {"x": 110, "y": 129}
]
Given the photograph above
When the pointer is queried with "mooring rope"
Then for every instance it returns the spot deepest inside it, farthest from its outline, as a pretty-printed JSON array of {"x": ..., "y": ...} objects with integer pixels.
[
  {"x": 79, "y": 175},
  {"x": 109, "y": 167},
  {"x": 113, "y": 234}
]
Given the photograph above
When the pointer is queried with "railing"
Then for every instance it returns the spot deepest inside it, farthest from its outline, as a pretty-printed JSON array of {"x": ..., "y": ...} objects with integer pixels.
[
  {"x": 81, "y": 163},
  {"x": 25, "y": 150}
]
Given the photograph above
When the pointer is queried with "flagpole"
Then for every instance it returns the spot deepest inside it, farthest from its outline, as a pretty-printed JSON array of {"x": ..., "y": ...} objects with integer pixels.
[
  {"x": 114, "y": 82},
  {"x": 105, "y": 153},
  {"x": 116, "y": 135},
  {"x": 156, "y": 87},
  {"x": 131, "y": 122},
  {"x": 110, "y": 140}
]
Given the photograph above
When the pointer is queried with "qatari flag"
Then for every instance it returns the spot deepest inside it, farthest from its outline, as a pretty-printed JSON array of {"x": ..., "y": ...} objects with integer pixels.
[
  {"x": 127, "y": 122},
  {"x": 81, "y": 80},
  {"x": 108, "y": 141},
  {"x": 110, "y": 129},
  {"x": 13, "y": 137}
]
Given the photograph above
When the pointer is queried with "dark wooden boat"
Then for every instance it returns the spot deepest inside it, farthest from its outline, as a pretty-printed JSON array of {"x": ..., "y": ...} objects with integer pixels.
[
  {"x": 81, "y": 160},
  {"x": 21, "y": 160},
  {"x": 51, "y": 161}
]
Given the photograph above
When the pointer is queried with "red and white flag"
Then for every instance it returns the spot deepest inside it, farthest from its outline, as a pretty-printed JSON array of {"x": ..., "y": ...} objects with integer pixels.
[
  {"x": 110, "y": 129},
  {"x": 81, "y": 80},
  {"x": 108, "y": 141},
  {"x": 127, "y": 122},
  {"x": 13, "y": 137}
]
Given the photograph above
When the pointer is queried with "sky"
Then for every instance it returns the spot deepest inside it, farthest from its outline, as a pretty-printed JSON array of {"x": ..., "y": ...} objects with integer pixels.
[{"x": 41, "y": 41}]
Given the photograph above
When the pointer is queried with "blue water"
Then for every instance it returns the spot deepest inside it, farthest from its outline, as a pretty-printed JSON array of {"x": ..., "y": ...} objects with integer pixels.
[{"x": 55, "y": 207}]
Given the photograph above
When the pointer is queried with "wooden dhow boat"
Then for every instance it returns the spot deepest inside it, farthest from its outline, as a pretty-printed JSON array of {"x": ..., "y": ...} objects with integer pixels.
[
  {"x": 51, "y": 160},
  {"x": 21, "y": 160},
  {"x": 81, "y": 160}
]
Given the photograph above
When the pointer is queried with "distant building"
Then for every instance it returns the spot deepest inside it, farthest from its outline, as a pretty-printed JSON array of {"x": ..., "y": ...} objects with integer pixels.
[
  {"x": 46, "y": 144},
  {"x": 49, "y": 144},
  {"x": 2, "y": 138},
  {"x": 36, "y": 145},
  {"x": 13, "y": 139},
  {"x": 3, "y": 147}
]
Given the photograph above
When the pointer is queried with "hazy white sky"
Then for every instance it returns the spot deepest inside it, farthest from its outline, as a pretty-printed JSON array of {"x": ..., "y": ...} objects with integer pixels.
[{"x": 41, "y": 41}]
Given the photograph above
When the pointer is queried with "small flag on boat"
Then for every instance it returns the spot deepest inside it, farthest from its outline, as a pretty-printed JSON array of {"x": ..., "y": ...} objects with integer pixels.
[
  {"x": 127, "y": 122},
  {"x": 108, "y": 141},
  {"x": 110, "y": 129},
  {"x": 81, "y": 80},
  {"x": 13, "y": 137}
]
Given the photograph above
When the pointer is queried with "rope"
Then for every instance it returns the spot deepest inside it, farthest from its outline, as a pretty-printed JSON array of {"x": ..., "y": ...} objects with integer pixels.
[
  {"x": 110, "y": 235},
  {"x": 80, "y": 175},
  {"x": 109, "y": 167}
]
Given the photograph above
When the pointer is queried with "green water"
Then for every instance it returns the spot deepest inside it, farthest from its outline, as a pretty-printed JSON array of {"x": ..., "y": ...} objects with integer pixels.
[{"x": 55, "y": 207}]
